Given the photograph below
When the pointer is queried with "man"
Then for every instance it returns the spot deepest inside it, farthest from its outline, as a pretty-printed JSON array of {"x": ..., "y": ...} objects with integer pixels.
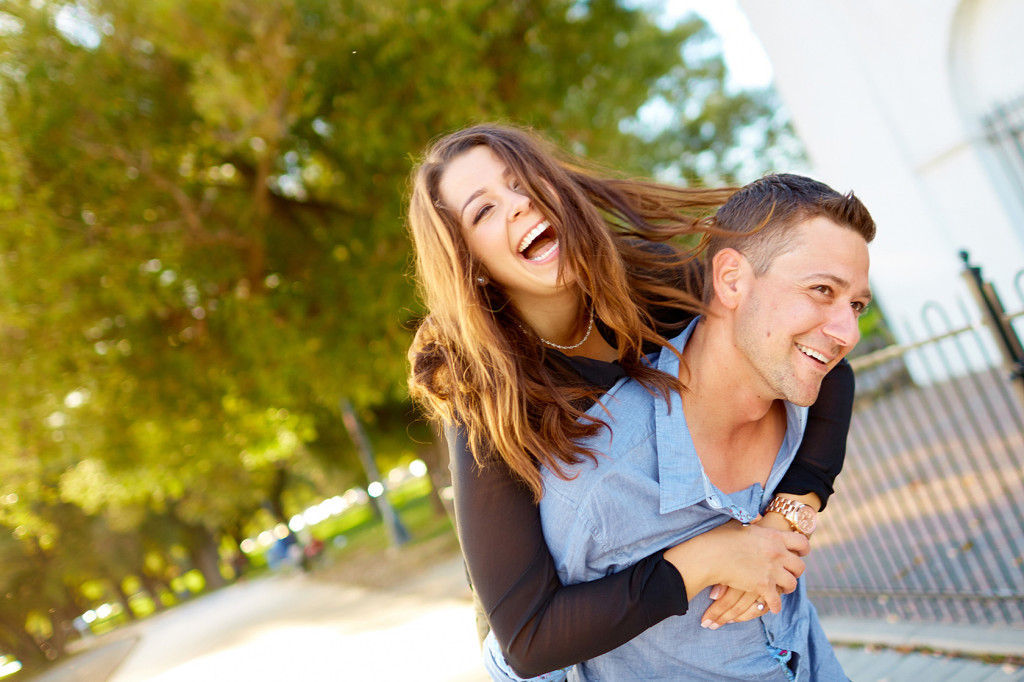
[{"x": 787, "y": 278}]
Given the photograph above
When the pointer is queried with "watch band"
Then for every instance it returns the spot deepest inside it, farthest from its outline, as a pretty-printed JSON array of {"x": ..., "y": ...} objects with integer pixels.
[{"x": 801, "y": 517}]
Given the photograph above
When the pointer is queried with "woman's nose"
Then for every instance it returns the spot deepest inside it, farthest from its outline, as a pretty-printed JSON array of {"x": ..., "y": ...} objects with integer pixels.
[{"x": 518, "y": 204}]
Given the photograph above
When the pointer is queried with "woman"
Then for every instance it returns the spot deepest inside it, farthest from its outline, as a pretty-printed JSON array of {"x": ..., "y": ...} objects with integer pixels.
[{"x": 547, "y": 282}]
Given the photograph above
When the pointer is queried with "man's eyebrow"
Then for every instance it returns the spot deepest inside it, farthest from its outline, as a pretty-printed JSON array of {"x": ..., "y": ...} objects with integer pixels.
[
  {"x": 504, "y": 174},
  {"x": 840, "y": 282}
]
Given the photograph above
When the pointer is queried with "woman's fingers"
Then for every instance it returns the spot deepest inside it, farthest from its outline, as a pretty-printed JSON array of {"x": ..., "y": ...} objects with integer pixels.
[
  {"x": 718, "y": 613},
  {"x": 751, "y": 559},
  {"x": 797, "y": 543},
  {"x": 756, "y": 609},
  {"x": 734, "y": 606}
]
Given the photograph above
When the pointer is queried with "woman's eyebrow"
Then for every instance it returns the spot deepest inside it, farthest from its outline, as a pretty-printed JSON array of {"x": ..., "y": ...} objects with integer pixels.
[
  {"x": 472, "y": 196},
  {"x": 504, "y": 175}
]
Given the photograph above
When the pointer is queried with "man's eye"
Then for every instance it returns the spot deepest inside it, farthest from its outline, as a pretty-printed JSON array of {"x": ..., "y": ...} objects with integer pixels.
[
  {"x": 824, "y": 289},
  {"x": 859, "y": 308}
]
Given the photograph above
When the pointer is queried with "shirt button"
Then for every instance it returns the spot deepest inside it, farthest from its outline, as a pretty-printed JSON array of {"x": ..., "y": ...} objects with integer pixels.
[{"x": 714, "y": 502}]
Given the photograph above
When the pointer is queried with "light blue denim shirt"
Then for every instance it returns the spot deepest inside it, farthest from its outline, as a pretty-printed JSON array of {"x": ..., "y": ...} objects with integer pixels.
[{"x": 648, "y": 491}]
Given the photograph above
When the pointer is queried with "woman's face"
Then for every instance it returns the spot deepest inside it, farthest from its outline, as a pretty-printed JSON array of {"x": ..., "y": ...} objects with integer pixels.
[{"x": 505, "y": 232}]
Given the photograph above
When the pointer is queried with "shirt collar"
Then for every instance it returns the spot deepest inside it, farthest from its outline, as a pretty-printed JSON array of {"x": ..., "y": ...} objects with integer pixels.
[
  {"x": 682, "y": 481},
  {"x": 681, "y": 477}
]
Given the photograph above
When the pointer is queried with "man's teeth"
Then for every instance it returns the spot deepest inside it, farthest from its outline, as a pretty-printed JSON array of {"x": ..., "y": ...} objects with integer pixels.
[
  {"x": 533, "y": 234},
  {"x": 812, "y": 353},
  {"x": 547, "y": 252}
]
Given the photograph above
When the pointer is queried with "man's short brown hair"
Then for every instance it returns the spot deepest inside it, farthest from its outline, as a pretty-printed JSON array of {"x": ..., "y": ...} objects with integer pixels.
[{"x": 756, "y": 220}]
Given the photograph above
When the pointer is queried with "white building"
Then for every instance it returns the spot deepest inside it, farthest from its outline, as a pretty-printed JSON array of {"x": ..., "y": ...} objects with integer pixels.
[{"x": 895, "y": 99}]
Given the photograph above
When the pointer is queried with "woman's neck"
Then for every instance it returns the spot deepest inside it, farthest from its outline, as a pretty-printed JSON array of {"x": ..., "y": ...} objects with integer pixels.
[{"x": 565, "y": 320}]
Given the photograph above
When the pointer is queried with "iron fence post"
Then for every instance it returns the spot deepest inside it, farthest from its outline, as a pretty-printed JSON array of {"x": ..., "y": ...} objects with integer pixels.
[{"x": 998, "y": 322}]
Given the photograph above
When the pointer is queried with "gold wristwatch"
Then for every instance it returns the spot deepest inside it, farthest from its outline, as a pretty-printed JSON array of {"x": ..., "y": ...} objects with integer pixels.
[{"x": 802, "y": 517}]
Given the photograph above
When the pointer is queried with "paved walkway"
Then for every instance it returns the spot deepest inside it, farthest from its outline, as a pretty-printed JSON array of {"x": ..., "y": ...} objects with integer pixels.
[
  {"x": 291, "y": 628},
  {"x": 873, "y": 651}
]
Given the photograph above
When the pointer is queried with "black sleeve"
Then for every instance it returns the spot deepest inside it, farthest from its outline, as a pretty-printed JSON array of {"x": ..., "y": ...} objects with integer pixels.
[
  {"x": 541, "y": 624},
  {"x": 820, "y": 457}
]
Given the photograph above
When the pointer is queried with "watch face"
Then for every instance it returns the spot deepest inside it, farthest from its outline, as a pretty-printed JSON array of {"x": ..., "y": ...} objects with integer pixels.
[{"x": 805, "y": 520}]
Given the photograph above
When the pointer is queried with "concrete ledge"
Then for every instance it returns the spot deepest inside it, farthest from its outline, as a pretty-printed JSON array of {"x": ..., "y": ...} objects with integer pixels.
[{"x": 973, "y": 640}]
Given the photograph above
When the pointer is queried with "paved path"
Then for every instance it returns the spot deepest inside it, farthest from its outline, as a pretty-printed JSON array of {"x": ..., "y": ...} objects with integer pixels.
[{"x": 289, "y": 627}]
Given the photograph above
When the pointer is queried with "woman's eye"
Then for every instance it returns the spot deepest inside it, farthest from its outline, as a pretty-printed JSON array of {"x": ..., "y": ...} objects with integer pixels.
[{"x": 484, "y": 210}]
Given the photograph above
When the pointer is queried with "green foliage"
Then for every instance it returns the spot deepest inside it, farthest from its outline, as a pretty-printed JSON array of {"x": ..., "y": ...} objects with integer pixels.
[{"x": 202, "y": 246}]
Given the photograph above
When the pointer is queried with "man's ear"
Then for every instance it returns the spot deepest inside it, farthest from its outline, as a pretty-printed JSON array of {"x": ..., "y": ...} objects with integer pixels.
[{"x": 727, "y": 270}]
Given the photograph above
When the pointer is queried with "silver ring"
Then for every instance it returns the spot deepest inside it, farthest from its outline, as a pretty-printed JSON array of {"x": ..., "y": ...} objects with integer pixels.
[{"x": 760, "y": 606}]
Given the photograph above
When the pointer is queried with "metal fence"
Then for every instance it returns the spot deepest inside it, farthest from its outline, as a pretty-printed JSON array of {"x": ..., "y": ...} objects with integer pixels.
[
  {"x": 1004, "y": 128},
  {"x": 928, "y": 520}
]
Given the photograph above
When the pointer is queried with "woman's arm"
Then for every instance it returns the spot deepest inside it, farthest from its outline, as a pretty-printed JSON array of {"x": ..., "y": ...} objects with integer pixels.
[
  {"x": 541, "y": 624},
  {"x": 823, "y": 450}
]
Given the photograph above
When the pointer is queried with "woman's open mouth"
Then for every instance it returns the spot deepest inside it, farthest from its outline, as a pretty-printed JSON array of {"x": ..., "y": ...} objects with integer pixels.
[{"x": 539, "y": 243}]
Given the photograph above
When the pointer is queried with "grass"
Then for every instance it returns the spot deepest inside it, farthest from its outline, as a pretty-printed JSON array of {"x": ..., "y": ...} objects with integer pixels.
[{"x": 367, "y": 557}]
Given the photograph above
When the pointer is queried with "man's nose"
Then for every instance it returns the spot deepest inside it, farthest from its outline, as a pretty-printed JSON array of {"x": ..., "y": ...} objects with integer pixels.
[{"x": 842, "y": 326}]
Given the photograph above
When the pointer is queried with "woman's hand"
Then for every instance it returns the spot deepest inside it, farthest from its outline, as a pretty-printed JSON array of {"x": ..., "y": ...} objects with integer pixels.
[
  {"x": 756, "y": 559},
  {"x": 731, "y": 606},
  {"x": 736, "y": 606}
]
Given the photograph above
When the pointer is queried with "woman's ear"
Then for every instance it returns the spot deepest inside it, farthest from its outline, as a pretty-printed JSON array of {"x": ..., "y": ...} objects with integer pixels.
[{"x": 727, "y": 270}]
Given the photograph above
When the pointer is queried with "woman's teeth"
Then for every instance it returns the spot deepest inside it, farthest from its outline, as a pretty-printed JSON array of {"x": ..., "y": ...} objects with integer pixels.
[
  {"x": 547, "y": 252},
  {"x": 533, "y": 234}
]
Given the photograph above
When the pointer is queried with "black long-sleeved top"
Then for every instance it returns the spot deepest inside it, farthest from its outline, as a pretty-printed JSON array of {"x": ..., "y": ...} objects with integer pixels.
[{"x": 543, "y": 625}]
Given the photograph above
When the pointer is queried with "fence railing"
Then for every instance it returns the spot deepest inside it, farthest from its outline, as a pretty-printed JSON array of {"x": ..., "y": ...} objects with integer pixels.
[{"x": 928, "y": 520}]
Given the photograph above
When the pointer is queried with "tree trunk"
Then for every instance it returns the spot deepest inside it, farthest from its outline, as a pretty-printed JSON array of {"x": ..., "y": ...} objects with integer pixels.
[
  {"x": 18, "y": 642},
  {"x": 202, "y": 550},
  {"x": 153, "y": 585},
  {"x": 275, "y": 496},
  {"x": 61, "y": 617},
  {"x": 123, "y": 598}
]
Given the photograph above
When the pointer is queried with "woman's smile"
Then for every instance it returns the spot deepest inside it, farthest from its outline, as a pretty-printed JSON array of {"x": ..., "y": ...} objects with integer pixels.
[{"x": 539, "y": 243}]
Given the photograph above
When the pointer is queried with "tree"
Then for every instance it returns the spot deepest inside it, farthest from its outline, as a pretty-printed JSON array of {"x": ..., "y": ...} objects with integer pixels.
[{"x": 202, "y": 247}]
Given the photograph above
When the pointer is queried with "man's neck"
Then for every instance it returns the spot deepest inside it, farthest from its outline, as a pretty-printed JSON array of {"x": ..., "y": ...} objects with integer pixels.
[
  {"x": 718, "y": 379},
  {"x": 736, "y": 429}
]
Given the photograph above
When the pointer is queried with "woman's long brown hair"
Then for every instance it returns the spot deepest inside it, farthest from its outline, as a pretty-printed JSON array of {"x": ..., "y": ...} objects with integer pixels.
[{"x": 473, "y": 365}]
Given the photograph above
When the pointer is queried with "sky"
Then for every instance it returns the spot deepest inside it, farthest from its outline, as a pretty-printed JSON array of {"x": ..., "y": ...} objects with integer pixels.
[{"x": 746, "y": 60}]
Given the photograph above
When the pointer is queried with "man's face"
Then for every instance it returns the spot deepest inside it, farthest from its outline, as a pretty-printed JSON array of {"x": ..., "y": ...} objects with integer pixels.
[{"x": 800, "y": 317}]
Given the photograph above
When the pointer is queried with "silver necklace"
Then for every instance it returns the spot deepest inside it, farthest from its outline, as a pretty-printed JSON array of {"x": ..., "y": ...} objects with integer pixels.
[{"x": 590, "y": 327}]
